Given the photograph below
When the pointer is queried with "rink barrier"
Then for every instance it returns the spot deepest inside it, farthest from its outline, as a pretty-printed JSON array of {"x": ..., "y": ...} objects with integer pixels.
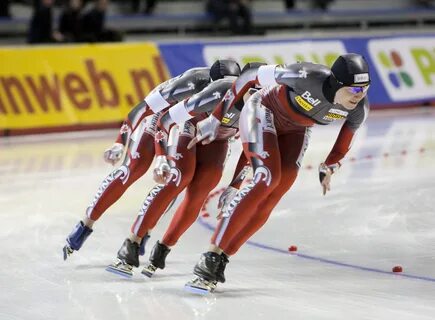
[
  {"x": 48, "y": 89},
  {"x": 402, "y": 67},
  {"x": 292, "y": 250},
  {"x": 78, "y": 87}
]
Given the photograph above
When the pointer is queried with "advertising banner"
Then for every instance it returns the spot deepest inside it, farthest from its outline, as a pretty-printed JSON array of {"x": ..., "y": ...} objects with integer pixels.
[
  {"x": 402, "y": 66},
  {"x": 324, "y": 52},
  {"x": 75, "y": 85},
  {"x": 406, "y": 66}
]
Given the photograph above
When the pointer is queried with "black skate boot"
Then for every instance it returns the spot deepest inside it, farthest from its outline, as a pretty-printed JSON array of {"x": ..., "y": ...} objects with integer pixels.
[
  {"x": 157, "y": 259},
  {"x": 220, "y": 276},
  {"x": 76, "y": 239},
  {"x": 205, "y": 271},
  {"x": 128, "y": 257}
]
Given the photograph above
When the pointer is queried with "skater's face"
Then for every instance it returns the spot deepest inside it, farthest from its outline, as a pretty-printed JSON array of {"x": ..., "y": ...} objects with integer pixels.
[{"x": 349, "y": 97}]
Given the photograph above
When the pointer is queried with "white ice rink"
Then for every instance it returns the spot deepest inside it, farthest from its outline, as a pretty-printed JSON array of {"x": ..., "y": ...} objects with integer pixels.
[{"x": 380, "y": 213}]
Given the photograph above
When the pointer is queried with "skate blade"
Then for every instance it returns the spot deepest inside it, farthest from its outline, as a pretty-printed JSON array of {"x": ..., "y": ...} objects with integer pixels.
[
  {"x": 200, "y": 286},
  {"x": 149, "y": 270},
  {"x": 196, "y": 290},
  {"x": 67, "y": 251},
  {"x": 120, "y": 270}
]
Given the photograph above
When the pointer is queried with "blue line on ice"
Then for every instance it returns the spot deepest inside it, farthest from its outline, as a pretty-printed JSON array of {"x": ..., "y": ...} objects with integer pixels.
[{"x": 322, "y": 260}]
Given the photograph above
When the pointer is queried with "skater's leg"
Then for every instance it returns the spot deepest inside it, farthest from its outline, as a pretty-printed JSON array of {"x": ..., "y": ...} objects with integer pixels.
[
  {"x": 295, "y": 144},
  {"x": 161, "y": 195},
  {"x": 209, "y": 165},
  {"x": 267, "y": 174},
  {"x": 137, "y": 161},
  {"x": 260, "y": 144},
  {"x": 157, "y": 201}
]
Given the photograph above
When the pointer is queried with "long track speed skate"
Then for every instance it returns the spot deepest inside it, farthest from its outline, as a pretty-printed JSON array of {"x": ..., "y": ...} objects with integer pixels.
[
  {"x": 157, "y": 259},
  {"x": 200, "y": 286},
  {"x": 128, "y": 257},
  {"x": 121, "y": 268},
  {"x": 149, "y": 270},
  {"x": 76, "y": 239},
  {"x": 205, "y": 274}
]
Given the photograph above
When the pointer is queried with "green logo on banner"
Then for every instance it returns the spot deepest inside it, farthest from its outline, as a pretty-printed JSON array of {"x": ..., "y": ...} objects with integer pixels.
[
  {"x": 396, "y": 72},
  {"x": 425, "y": 61}
]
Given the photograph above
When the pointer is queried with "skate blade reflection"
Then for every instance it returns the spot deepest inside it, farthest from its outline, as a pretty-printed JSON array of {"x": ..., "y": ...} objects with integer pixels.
[
  {"x": 196, "y": 290},
  {"x": 119, "y": 271}
]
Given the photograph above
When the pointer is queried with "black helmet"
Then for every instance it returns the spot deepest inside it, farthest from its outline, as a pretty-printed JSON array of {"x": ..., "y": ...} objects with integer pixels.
[
  {"x": 351, "y": 69},
  {"x": 253, "y": 65},
  {"x": 222, "y": 68}
]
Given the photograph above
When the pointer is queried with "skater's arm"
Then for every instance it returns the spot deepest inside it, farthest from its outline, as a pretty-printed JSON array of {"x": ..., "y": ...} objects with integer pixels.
[
  {"x": 163, "y": 96},
  {"x": 161, "y": 143},
  {"x": 342, "y": 144},
  {"x": 242, "y": 169},
  {"x": 200, "y": 103},
  {"x": 162, "y": 168},
  {"x": 153, "y": 101},
  {"x": 332, "y": 162},
  {"x": 345, "y": 138},
  {"x": 185, "y": 85},
  {"x": 207, "y": 129},
  {"x": 113, "y": 154},
  {"x": 247, "y": 79},
  {"x": 272, "y": 75}
]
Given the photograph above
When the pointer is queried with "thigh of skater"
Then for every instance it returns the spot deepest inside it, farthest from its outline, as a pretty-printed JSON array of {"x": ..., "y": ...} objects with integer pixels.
[
  {"x": 137, "y": 160},
  {"x": 210, "y": 160},
  {"x": 295, "y": 143},
  {"x": 182, "y": 170},
  {"x": 262, "y": 149}
]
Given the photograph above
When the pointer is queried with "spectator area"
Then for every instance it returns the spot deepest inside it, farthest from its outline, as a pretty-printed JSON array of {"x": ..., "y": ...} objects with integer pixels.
[{"x": 189, "y": 17}]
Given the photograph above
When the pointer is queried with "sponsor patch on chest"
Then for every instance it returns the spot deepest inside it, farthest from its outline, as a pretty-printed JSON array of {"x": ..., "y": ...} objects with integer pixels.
[
  {"x": 335, "y": 114},
  {"x": 306, "y": 101}
]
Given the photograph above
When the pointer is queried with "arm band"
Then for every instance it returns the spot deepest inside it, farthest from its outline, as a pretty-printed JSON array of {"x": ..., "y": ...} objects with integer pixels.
[
  {"x": 156, "y": 102},
  {"x": 179, "y": 113},
  {"x": 266, "y": 75}
]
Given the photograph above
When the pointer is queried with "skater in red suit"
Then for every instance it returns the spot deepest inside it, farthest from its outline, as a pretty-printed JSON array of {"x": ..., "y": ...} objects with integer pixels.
[
  {"x": 275, "y": 128},
  {"x": 197, "y": 170},
  {"x": 138, "y": 131}
]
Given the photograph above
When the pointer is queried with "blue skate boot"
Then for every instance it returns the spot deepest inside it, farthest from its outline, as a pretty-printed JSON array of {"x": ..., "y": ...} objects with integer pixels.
[
  {"x": 76, "y": 239},
  {"x": 157, "y": 259}
]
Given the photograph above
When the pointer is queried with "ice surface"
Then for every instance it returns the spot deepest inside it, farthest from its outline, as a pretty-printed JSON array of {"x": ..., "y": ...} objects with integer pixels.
[{"x": 379, "y": 213}]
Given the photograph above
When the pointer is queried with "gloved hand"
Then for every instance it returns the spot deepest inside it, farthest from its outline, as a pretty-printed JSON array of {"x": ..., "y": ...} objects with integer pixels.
[
  {"x": 162, "y": 170},
  {"x": 325, "y": 173},
  {"x": 225, "y": 199},
  {"x": 206, "y": 131},
  {"x": 114, "y": 153}
]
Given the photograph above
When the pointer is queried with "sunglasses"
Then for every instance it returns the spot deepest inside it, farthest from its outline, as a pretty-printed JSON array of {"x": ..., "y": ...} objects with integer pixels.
[{"x": 356, "y": 90}]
